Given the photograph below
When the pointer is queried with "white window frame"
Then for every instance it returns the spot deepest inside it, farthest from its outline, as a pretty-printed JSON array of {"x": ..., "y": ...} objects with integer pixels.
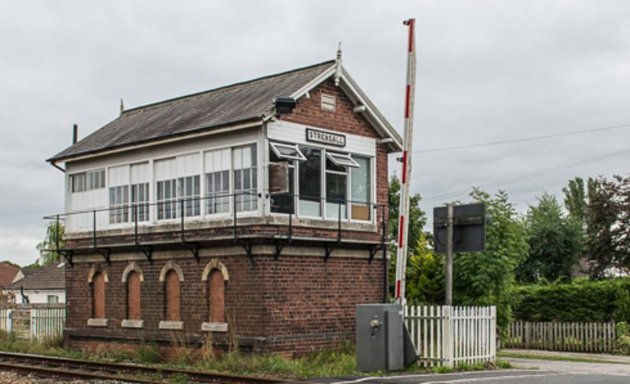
[
  {"x": 275, "y": 146},
  {"x": 342, "y": 159}
]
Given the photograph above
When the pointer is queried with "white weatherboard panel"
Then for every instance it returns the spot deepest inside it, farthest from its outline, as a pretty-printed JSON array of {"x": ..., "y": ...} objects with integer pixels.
[
  {"x": 140, "y": 173},
  {"x": 188, "y": 165},
  {"x": 85, "y": 201},
  {"x": 165, "y": 169},
  {"x": 231, "y": 139},
  {"x": 118, "y": 176},
  {"x": 135, "y": 166},
  {"x": 218, "y": 160},
  {"x": 296, "y": 133}
]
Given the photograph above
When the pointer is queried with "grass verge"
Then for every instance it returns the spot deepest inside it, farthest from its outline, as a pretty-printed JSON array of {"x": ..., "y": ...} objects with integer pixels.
[
  {"x": 574, "y": 359},
  {"x": 334, "y": 363}
]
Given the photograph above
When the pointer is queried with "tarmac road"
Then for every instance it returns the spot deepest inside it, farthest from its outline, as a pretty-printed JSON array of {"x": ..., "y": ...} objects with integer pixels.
[{"x": 511, "y": 376}]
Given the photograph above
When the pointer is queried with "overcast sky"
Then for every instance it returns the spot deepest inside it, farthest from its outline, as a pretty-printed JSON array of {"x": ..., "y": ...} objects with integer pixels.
[{"x": 487, "y": 71}]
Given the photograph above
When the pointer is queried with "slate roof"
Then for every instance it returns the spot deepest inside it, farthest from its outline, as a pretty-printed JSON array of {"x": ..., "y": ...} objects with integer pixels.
[
  {"x": 7, "y": 274},
  {"x": 48, "y": 277},
  {"x": 240, "y": 102}
]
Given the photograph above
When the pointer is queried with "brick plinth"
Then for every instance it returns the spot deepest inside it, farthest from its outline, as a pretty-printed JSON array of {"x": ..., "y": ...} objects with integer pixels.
[{"x": 293, "y": 304}]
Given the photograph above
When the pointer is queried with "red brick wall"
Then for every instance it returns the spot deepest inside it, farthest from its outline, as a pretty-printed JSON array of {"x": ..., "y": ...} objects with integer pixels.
[
  {"x": 296, "y": 303},
  {"x": 345, "y": 120}
]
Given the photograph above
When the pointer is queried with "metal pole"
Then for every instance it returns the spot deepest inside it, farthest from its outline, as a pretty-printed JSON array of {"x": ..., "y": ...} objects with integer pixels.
[
  {"x": 403, "y": 211},
  {"x": 449, "y": 255},
  {"x": 384, "y": 250}
]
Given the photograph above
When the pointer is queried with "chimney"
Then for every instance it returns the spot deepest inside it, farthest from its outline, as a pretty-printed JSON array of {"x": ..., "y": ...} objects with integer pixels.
[{"x": 75, "y": 133}]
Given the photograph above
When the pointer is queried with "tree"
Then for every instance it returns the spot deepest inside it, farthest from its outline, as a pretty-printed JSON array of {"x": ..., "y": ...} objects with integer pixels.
[
  {"x": 601, "y": 215},
  {"x": 416, "y": 221},
  {"x": 47, "y": 248},
  {"x": 575, "y": 200},
  {"x": 555, "y": 243},
  {"x": 621, "y": 229},
  {"x": 486, "y": 278},
  {"x": 425, "y": 274}
]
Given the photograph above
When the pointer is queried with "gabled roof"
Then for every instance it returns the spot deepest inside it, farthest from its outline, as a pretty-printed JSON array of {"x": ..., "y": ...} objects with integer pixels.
[
  {"x": 221, "y": 107},
  {"x": 7, "y": 274},
  {"x": 48, "y": 277}
]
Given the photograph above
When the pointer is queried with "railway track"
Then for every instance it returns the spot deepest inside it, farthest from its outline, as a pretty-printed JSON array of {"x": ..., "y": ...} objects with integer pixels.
[{"x": 73, "y": 369}]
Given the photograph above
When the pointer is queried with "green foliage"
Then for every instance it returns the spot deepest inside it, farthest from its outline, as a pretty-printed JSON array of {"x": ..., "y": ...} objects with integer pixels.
[
  {"x": 54, "y": 238},
  {"x": 416, "y": 221},
  {"x": 575, "y": 200},
  {"x": 622, "y": 333},
  {"x": 555, "y": 243},
  {"x": 621, "y": 230},
  {"x": 148, "y": 354},
  {"x": 425, "y": 275},
  {"x": 601, "y": 215},
  {"x": 486, "y": 278},
  {"x": 580, "y": 301},
  {"x": 417, "y": 217}
]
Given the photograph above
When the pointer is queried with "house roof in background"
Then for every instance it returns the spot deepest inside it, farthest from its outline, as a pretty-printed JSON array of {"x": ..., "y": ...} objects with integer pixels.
[
  {"x": 48, "y": 277},
  {"x": 7, "y": 274},
  {"x": 232, "y": 104}
]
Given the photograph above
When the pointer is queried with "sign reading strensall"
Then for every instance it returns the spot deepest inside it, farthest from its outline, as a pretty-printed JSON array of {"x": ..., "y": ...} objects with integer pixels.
[{"x": 325, "y": 137}]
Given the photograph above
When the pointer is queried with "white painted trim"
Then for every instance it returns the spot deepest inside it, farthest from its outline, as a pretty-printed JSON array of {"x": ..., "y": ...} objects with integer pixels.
[
  {"x": 178, "y": 138},
  {"x": 315, "y": 82},
  {"x": 386, "y": 128}
]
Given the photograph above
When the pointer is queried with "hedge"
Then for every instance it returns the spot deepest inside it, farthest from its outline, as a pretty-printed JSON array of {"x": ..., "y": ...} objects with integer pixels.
[{"x": 580, "y": 301}]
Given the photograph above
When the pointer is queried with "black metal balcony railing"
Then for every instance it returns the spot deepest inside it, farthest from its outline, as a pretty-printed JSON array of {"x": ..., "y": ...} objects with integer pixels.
[{"x": 137, "y": 214}]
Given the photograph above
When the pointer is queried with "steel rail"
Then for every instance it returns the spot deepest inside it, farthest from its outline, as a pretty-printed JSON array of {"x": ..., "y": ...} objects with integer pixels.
[{"x": 68, "y": 368}]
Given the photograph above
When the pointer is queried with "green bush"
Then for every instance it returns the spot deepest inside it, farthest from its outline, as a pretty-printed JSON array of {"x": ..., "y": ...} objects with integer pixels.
[
  {"x": 580, "y": 301},
  {"x": 623, "y": 338}
]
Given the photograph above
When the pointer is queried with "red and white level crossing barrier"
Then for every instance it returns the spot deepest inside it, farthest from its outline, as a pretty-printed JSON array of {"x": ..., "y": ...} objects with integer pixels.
[{"x": 403, "y": 212}]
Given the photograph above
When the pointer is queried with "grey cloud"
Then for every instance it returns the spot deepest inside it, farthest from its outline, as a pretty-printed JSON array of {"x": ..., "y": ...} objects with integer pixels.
[{"x": 487, "y": 70}]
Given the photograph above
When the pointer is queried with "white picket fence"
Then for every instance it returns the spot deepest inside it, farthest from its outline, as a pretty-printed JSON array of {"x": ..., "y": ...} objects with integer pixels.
[
  {"x": 34, "y": 324},
  {"x": 451, "y": 336},
  {"x": 559, "y": 336},
  {"x": 47, "y": 323},
  {"x": 6, "y": 320}
]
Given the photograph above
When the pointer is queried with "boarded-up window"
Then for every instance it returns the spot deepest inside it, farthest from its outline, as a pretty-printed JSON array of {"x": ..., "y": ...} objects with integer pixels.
[
  {"x": 171, "y": 283},
  {"x": 328, "y": 102},
  {"x": 98, "y": 295},
  {"x": 133, "y": 296},
  {"x": 216, "y": 289}
]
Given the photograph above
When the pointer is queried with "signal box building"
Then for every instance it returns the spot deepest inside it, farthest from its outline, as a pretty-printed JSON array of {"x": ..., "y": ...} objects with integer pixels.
[{"x": 252, "y": 215}]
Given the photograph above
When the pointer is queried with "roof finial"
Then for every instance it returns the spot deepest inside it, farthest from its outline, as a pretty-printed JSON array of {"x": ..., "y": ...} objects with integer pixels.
[
  {"x": 122, "y": 106},
  {"x": 338, "y": 65},
  {"x": 339, "y": 52}
]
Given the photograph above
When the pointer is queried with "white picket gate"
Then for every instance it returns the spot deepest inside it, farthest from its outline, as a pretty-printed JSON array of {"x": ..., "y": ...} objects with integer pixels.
[
  {"x": 450, "y": 336},
  {"x": 6, "y": 320},
  {"x": 47, "y": 323}
]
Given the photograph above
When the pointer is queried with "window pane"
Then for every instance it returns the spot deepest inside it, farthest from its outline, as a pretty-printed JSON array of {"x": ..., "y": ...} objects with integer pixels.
[
  {"x": 335, "y": 187},
  {"x": 335, "y": 195},
  {"x": 284, "y": 202},
  {"x": 360, "y": 189}
]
